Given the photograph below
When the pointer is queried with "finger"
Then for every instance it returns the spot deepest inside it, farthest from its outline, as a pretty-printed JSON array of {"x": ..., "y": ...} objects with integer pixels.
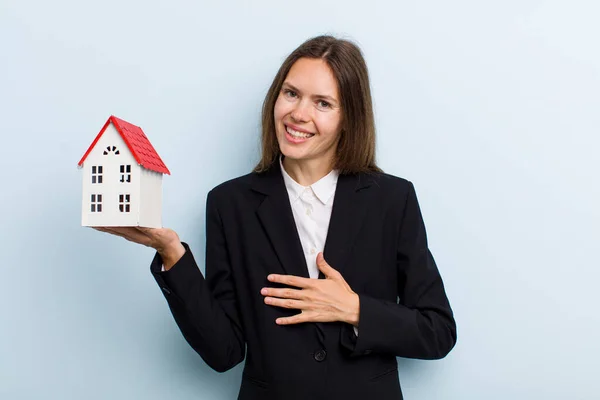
[
  {"x": 287, "y": 303},
  {"x": 290, "y": 320},
  {"x": 327, "y": 269},
  {"x": 285, "y": 293},
  {"x": 116, "y": 230},
  {"x": 146, "y": 231},
  {"x": 291, "y": 280},
  {"x": 138, "y": 237},
  {"x": 107, "y": 230},
  {"x": 295, "y": 319},
  {"x": 306, "y": 316},
  {"x": 111, "y": 230},
  {"x": 160, "y": 236},
  {"x": 150, "y": 233},
  {"x": 131, "y": 235}
]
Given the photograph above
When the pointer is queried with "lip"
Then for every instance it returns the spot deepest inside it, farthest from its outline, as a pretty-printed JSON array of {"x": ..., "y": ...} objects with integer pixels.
[
  {"x": 294, "y": 127},
  {"x": 292, "y": 139}
]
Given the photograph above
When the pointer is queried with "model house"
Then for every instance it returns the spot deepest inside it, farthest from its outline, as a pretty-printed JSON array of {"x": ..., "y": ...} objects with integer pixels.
[{"x": 122, "y": 178}]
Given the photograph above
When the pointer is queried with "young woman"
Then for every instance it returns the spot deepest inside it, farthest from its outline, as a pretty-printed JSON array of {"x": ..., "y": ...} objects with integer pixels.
[{"x": 317, "y": 266}]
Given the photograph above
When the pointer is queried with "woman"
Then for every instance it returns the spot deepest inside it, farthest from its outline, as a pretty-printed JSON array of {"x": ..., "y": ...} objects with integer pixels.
[{"x": 317, "y": 261}]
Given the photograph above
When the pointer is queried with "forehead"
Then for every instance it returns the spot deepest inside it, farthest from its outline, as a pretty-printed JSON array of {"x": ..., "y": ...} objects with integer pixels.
[{"x": 313, "y": 76}]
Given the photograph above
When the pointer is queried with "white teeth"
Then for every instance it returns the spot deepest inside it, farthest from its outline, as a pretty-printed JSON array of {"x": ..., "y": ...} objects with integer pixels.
[{"x": 297, "y": 134}]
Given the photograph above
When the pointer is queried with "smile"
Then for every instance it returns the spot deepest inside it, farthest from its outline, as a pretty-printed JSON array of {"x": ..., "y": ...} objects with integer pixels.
[{"x": 297, "y": 134}]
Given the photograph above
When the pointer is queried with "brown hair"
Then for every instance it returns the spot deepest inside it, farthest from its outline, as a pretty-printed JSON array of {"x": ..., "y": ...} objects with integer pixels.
[{"x": 356, "y": 147}]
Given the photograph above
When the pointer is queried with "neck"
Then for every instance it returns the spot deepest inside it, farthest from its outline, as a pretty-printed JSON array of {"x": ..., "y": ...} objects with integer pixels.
[{"x": 307, "y": 172}]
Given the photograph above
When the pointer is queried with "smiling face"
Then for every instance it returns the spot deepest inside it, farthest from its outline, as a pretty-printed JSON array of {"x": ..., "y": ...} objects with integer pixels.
[{"x": 307, "y": 112}]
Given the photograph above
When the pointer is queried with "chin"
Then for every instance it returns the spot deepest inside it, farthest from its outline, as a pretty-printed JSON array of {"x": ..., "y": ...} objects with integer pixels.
[{"x": 290, "y": 153}]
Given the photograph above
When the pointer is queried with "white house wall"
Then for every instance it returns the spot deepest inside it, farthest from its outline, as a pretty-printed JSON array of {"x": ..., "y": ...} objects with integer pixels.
[
  {"x": 111, "y": 187},
  {"x": 151, "y": 193}
]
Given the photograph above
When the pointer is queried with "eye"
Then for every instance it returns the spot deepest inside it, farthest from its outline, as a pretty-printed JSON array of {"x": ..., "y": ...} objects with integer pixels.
[
  {"x": 290, "y": 93},
  {"x": 323, "y": 104}
]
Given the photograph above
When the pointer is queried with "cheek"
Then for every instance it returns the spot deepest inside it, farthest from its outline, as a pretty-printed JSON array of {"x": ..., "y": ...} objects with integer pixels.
[
  {"x": 329, "y": 126},
  {"x": 280, "y": 109}
]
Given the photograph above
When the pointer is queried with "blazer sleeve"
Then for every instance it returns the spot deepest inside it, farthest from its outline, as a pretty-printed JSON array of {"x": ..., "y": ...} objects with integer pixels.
[
  {"x": 205, "y": 309},
  {"x": 421, "y": 325}
]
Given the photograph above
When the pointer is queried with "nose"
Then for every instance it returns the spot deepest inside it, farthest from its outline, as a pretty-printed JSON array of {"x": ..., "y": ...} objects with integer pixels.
[{"x": 300, "y": 113}]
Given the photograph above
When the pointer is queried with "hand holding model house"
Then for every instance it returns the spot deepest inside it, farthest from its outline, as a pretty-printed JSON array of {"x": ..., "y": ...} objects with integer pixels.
[{"x": 122, "y": 188}]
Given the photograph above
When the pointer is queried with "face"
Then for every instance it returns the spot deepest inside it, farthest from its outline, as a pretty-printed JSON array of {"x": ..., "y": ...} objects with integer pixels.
[{"x": 308, "y": 113}]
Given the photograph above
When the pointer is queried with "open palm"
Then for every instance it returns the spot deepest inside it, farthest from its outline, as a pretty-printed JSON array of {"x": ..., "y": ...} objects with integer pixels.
[{"x": 164, "y": 240}]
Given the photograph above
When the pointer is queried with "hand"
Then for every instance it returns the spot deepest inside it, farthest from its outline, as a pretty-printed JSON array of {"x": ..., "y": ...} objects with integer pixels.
[
  {"x": 164, "y": 240},
  {"x": 320, "y": 300}
]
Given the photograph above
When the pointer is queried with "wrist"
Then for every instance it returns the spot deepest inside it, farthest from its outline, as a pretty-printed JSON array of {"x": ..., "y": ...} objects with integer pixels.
[
  {"x": 171, "y": 253},
  {"x": 353, "y": 315}
]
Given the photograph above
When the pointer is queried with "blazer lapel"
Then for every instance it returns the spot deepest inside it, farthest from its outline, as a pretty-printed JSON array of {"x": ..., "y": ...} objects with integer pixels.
[
  {"x": 350, "y": 206},
  {"x": 276, "y": 216}
]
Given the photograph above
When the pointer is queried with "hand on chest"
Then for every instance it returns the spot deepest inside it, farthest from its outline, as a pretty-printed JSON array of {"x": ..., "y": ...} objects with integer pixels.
[{"x": 283, "y": 235}]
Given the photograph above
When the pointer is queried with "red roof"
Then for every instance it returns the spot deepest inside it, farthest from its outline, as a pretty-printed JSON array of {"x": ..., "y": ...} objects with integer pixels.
[{"x": 137, "y": 142}]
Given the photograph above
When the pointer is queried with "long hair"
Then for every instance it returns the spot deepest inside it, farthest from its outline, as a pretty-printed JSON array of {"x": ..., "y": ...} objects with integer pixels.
[{"x": 356, "y": 147}]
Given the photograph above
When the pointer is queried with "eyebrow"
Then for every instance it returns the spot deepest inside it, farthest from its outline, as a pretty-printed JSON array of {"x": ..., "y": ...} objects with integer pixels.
[{"x": 316, "y": 96}]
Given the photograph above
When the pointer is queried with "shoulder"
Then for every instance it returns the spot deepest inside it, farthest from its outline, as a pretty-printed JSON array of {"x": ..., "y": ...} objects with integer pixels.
[
  {"x": 394, "y": 195},
  {"x": 232, "y": 186},
  {"x": 388, "y": 184}
]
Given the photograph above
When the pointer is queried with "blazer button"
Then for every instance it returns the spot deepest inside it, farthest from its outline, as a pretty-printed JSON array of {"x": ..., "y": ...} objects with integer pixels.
[{"x": 320, "y": 355}]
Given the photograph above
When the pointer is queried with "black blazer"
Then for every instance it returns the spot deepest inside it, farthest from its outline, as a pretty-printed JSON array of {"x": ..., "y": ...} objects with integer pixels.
[{"x": 376, "y": 239}]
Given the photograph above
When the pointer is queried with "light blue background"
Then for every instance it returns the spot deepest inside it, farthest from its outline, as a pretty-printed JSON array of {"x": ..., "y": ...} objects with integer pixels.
[{"x": 490, "y": 108}]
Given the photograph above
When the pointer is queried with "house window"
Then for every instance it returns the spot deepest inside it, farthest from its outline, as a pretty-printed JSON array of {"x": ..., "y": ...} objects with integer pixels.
[
  {"x": 111, "y": 149},
  {"x": 97, "y": 174},
  {"x": 124, "y": 200},
  {"x": 96, "y": 203},
  {"x": 126, "y": 173}
]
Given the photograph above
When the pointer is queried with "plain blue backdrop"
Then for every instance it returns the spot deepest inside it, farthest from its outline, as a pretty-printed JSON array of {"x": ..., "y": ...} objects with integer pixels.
[{"x": 489, "y": 107}]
